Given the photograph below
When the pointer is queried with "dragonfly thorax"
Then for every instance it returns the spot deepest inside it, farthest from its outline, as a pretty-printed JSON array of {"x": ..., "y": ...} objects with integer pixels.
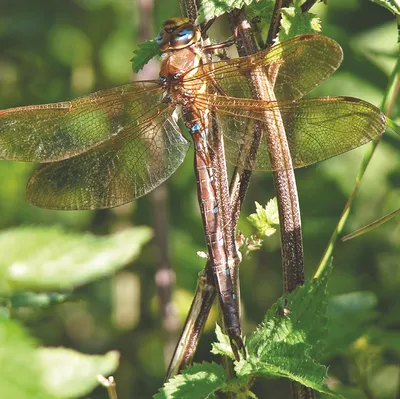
[
  {"x": 177, "y": 65},
  {"x": 180, "y": 42},
  {"x": 176, "y": 75}
]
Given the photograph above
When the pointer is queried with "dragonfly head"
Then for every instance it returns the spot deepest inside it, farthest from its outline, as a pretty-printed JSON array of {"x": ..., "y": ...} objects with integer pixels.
[{"x": 177, "y": 33}]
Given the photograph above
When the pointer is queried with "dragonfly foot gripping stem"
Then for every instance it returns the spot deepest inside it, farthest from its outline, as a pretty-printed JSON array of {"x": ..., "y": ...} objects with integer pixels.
[{"x": 237, "y": 346}]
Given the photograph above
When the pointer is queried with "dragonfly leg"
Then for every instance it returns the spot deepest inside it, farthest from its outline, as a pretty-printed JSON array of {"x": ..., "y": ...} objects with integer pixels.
[
  {"x": 207, "y": 26},
  {"x": 218, "y": 46}
]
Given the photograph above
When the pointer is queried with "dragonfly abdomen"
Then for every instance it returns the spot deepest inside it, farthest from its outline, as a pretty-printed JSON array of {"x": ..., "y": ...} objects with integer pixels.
[{"x": 216, "y": 246}]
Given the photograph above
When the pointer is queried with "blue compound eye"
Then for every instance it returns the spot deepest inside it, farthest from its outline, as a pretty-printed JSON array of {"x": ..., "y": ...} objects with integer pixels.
[
  {"x": 159, "y": 39},
  {"x": 184, "y": 35}
]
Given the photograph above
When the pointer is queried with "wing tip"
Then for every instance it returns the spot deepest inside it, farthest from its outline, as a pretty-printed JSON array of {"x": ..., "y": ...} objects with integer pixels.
[{"x": 335, "y": 50}]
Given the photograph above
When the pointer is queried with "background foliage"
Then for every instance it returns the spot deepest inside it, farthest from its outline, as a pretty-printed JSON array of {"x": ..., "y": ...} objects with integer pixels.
[{"x": 52, "y": 51}]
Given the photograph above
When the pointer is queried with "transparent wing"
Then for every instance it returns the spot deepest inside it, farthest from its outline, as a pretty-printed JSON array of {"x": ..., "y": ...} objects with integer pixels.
[
  {"x": 297, "y": 66},
  {"x": 52, "y": 132},
  {"x": 114, "y": 173},
  {"x": 316, "y": 129}
]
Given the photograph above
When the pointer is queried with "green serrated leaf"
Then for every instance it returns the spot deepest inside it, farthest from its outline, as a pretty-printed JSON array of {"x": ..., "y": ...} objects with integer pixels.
[
  {"x": 222, "y": 346},
  {"x": 198, "y": 381},
  {"x": 391, "y": 5},
  {"x": 279, "y": 359},
  {"x": 214, "y": 8},
  {"x": 145, "y": 52},
  {"x": 262, "y": 9},
  {"x": 298, "y": 317},
  {"x": 53, "y": 260},
  {"x": 20, "y": 375},
  {"x": 289, "y": 341},
  {"x": 295, "y": 22},
  {"x": 70, "y": 374}
]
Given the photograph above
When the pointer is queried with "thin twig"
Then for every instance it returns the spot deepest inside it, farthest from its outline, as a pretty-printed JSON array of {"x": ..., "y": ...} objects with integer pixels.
[
  {"x": 194, "y": 324},
  {"x": 372, "y": 225},
  {"x": 275, "y": 23},
  {"x": 110, "y": 384},
  {"x": 307, "y": 5},
  {"x": 245, "y": 45}
]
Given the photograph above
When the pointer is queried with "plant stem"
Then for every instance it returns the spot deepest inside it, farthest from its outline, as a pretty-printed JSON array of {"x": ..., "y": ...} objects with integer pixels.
[
  {"x": 285, "y": 184},
  {"x": 110, "y": 384},
  {"x": 194, "y": 324},
  {"x": 388, "y": 102},
  {"x": 189, "y": 8},
  {"x": 372, "y": 225},
  {"x": 307, "y": 5},
  {"x": 275, "y": 23},
  {"x": 245, "y": 45}
]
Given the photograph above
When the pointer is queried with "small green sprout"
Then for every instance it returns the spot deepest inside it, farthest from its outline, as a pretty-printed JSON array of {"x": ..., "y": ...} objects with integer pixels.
[{"x": 265, "y": 219}]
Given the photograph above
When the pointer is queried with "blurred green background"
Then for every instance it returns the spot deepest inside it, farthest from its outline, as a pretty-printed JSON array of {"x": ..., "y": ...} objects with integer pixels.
[{"x": 57, "y": 50}]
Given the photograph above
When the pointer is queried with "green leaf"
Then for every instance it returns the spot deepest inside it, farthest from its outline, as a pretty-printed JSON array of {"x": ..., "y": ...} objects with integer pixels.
[
  {"x": 37, "y": 300},
  {"x": 70, "y": 374},
  {"x": 146, "y": 51},
  {"x": 262, "y": 9},
  {"x": 198, "y": 381},
  {"x": 20, "y": 375},
  {"x": 393, "y": 126},
  {"x": 348, "y": 315},
  {"x": 4, "y": 312},
  {"x": 214, "y": 8},
  {"x": 265, "y": 218},
  {"x": 223, "y": 345},
  {"x": 289, "y": 341},
  {"x": 278, "y": 359},
  {"x": 49, "y": 259},
  {"x": 295, "y": 22},
  {"x": 391, "y": 5}
]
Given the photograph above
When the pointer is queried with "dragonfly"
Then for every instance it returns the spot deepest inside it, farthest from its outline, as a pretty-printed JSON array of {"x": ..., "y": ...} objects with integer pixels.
[{"x": 112, "y": 146}]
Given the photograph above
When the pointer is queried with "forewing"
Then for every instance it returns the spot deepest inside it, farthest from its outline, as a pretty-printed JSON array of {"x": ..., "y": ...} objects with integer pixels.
[
  {"x": 129, "y": 166},
  {"x": 52, "y": 132},
  {"x": 296, "y": 66},
  {"x": 316, "y": 129}
]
